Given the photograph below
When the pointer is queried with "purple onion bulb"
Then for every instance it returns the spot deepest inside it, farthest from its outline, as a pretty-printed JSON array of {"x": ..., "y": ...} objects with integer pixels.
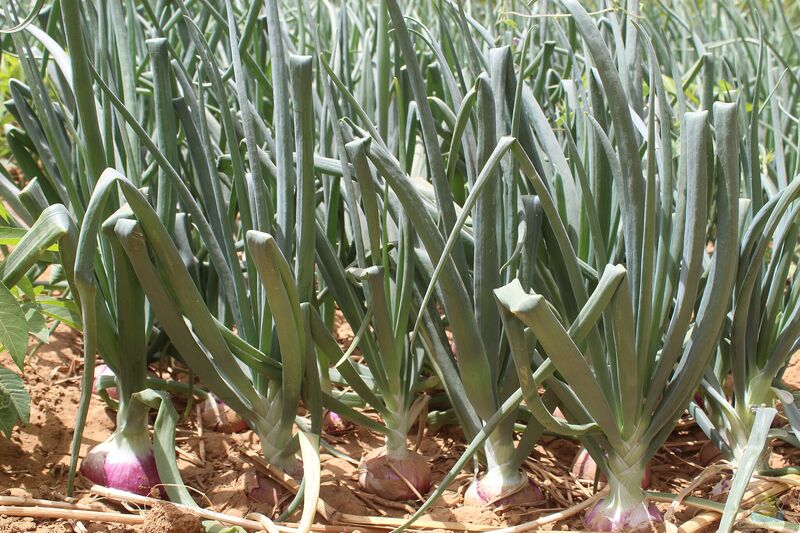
[
  {"x": 498, "y": 489},
  {"x": 607, "y": 516},
  {"x": 99, "y": 372},
  {"x": 335, "y": 424},
  {"x": 123, "y": 462},
  {"x": 378, "y": 474},
  {"x": 218, "y": 416}
]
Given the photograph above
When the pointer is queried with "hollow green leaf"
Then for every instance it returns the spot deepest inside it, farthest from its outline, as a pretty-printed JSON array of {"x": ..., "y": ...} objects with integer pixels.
[
  {"x": 747, "y": 465},
  {"x": 164, "y": 444}
]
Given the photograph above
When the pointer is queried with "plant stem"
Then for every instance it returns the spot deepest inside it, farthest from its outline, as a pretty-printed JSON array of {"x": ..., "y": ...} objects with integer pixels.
[
  {"x": 625, "y": 484},
  {"x": 132, "y": 417}
]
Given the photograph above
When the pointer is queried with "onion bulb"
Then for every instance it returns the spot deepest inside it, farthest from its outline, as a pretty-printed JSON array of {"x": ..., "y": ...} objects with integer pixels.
[
  {"x": 218, "y": 416},
  {"x": 381, "y": 474},
  {"x": 605, "y": 515},
  {"x": 335, "y": 424},
  {"x": 99, "y": 372},
  {"x": 496, "y": 489},
  {"x": 125, "y": 462}
]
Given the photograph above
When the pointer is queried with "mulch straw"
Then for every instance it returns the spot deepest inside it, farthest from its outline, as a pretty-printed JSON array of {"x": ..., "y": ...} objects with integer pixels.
[
  {"x": 759, "y": 490},
  {"x": 555, "y": 517},
  {"x": 705, "y": 475},
  {"x": 70, "y": 514}
]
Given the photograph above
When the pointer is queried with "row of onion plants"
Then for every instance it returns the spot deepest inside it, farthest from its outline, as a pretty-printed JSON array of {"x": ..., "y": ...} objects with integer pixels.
[{"x": 535, "y": 218}]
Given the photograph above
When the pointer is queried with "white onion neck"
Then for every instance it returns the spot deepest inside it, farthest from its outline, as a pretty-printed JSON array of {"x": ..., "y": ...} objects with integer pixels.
[{"x": 625, "y": 485}]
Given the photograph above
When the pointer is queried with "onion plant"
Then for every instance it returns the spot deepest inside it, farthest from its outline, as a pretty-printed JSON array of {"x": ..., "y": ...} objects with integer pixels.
[
  {"x": 630, "y": 360},
  {"x": 224, "y": 362},
  {"x": 154, "y": 134},
  {"x": 380, "y": 242},
  {"x": 65, "y": 159},
  {"x": 762, "y": 334},
  {"x": 478, "y": 253},
  {"x": 266, "y": 393},
  {"x": 65, "y": 172},
  {"x": 386, "y": 276}
]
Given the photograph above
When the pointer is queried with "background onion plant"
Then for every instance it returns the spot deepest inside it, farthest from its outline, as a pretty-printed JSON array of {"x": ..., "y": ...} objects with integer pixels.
[{"x": 63, "y": 172}]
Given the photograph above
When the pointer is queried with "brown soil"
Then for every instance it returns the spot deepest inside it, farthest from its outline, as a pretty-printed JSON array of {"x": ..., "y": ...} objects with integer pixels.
[
  {"x": 792, "y": 374},
  {"x": 34, "y": 460},
  {"x": 167, "y": 518}
]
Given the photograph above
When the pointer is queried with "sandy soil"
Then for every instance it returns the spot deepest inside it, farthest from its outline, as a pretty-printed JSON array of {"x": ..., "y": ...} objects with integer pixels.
[{"x": 34, "y": 461}]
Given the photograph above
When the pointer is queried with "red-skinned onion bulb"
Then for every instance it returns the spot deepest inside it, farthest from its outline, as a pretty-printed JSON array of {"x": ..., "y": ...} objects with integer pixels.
[
  {"x": 605, "y": 515},
  {"x": 335, "y": 424},
  {"x": 218, "y": 416},
  {"x": 123, "y": 462},
  {"x": 99, "y": 372},
  {"x": 493, "y": 488},
  {"x": 378, "y": 474}
]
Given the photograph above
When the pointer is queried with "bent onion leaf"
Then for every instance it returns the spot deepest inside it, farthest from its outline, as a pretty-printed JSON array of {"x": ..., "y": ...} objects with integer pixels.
[{"x": 164, "y": 444}]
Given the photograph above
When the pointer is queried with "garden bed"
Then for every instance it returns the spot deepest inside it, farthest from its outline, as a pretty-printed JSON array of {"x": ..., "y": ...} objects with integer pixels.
[{"x": 34, "y": 462}]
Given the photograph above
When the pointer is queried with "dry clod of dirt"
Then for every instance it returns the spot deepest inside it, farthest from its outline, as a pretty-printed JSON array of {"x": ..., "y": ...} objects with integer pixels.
[
  {"x": 167, "y": 518},
  {"x": 16, "y": 524}
]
